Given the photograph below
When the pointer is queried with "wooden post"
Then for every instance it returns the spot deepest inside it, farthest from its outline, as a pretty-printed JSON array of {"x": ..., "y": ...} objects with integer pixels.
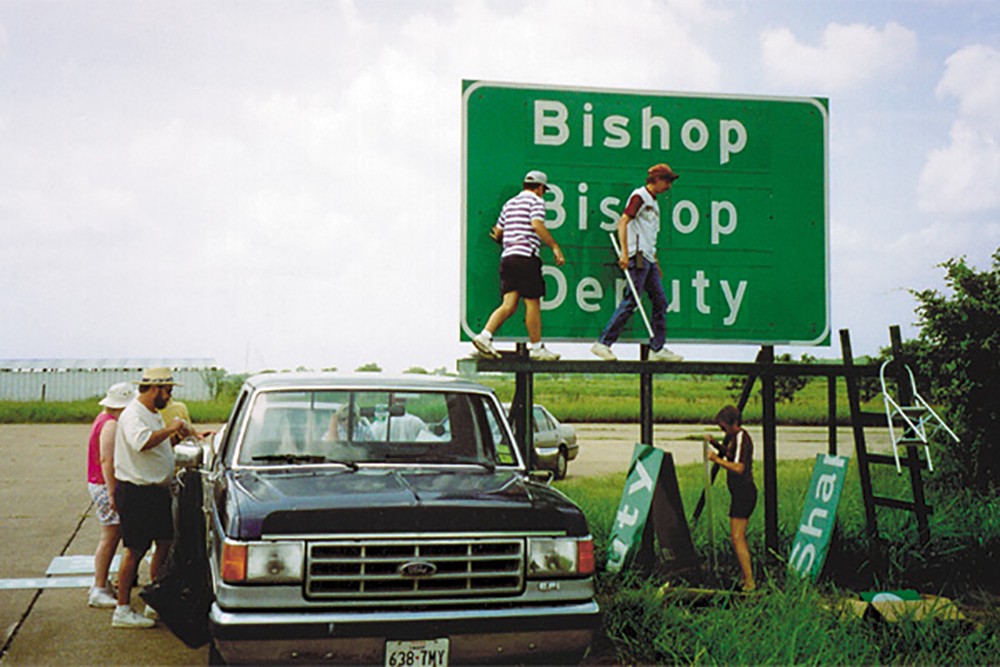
[
  {"x": 857, "y": 422},
  {"x": 645, "y": 401},
  {"x": 905, "y": 396},
  {"x": 831, "y": 407},
  {"x": 522, "y": 408},
  {"x": 770, "y": 450}
]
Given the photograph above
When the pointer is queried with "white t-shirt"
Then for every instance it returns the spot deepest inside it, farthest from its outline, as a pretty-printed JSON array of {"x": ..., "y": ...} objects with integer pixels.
[
  {"x": 153, "y": 466},
  {"x": 644, "y": 226}
]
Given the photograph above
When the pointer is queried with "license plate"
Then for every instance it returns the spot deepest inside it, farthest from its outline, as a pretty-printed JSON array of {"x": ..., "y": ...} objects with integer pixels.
[{"x": 422, "y": 653}]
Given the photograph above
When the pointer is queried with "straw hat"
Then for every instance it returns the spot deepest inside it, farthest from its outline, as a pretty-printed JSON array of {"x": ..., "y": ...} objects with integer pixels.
[{"x": 158, "y": 377}]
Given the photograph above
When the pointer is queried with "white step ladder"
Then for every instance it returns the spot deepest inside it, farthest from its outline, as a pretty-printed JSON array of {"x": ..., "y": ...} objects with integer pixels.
[{"x": 916, "y": 419}]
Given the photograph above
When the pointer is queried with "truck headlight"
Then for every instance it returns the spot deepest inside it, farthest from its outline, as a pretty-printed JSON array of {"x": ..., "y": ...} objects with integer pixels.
[
  {"x": 262, "y": 562},
  {"x": 560, "y": 557}
]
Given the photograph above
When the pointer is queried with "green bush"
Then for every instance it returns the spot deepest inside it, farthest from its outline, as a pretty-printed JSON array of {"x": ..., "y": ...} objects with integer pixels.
[{"x": 960, "y": 349}]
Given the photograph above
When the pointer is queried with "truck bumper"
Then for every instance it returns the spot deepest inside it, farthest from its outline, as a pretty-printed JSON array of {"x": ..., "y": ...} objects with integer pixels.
[{"x": 526, "y": 634}]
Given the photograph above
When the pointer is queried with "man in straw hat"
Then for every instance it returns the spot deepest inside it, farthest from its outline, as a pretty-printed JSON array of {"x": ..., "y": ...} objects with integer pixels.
[{"x": 144, "y": 465}]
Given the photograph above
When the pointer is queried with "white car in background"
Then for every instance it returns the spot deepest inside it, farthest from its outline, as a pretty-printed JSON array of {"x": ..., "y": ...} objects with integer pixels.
[{"x": 555, "y": 442}]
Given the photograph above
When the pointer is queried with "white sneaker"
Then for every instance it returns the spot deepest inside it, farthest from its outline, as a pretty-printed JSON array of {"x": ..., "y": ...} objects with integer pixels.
[
  {"x": 665, "y": 355},
  {"x": 542, "y": 353},
  {"x": 149, "y": 612},
  {"x": 485, "y": 346},
  {"x": 603, "y": 351},
  {"x": 126, "y": 617},
  {"x": 102, "y": 598}
]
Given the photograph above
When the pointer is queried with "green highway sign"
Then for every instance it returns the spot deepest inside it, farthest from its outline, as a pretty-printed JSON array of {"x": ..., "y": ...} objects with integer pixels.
[
  {"x": 743, "y": 240},
  {"x": 650, "y": 521},
  {"x": 633, "y": 510},
  {"x": 819, "y": 516}
]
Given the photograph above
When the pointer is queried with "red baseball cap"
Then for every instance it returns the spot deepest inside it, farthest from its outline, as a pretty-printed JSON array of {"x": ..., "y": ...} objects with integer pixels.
[{"x": 662, "y": 170}]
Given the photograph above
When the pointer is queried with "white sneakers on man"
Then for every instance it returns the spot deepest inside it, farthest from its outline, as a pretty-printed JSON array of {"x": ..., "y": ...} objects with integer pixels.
[
  {"x": 484, "y": 344},
  {"x": 126, "y": 617},
  {"x": 664, "y": 354},
  {"x": 102, "y": 598},
  {"x": 542, "y": 353},
  {"x": 603, "y": 351}
]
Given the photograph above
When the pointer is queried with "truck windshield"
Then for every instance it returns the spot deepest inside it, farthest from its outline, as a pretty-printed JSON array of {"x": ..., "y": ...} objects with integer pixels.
[{"x": 419, "y": 427}]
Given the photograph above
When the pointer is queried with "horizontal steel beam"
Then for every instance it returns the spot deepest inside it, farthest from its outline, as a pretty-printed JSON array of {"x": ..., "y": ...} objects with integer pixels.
[{"x": 513, "y": 363}]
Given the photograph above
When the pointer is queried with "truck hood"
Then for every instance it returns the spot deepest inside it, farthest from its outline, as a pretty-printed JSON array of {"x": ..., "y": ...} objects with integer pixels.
[{"x": 394, "y": 500}]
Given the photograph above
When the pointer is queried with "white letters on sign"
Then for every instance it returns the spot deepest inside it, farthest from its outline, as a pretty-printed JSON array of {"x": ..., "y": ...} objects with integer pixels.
[
  {"x": 714, "y": 222},
  {"x": 556, "y": 124}
]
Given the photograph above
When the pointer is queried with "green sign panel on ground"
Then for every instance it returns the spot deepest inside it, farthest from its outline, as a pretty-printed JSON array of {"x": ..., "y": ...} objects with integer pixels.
[
  {"x": 743, "y": 236},
  {"x": 650, "y": 508},
  {"x": 634, "y": 508},
  {"x": 812, "y": 541}
]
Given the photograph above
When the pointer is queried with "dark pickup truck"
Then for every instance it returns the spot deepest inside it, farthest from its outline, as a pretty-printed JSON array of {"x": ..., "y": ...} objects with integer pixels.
[{"x": 380, "y": 521}]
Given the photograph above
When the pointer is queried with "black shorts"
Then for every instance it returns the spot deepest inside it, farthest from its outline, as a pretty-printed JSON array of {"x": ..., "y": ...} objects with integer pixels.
[
  {"x": 522, "y": 275},
  {"x": 743, "y": 501},
  {"x": 146, "y": 515}
]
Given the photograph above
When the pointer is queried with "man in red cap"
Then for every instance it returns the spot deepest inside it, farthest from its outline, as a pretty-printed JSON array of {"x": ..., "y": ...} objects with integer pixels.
[{"x": 638, "y": 228}]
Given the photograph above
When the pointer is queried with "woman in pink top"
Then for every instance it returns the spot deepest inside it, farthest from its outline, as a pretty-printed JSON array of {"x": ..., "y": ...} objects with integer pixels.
[{"x": 101, "y": 483}]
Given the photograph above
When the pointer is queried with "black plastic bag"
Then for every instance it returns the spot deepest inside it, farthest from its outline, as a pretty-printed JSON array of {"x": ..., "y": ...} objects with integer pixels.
[{"x": 182, "y": 594}]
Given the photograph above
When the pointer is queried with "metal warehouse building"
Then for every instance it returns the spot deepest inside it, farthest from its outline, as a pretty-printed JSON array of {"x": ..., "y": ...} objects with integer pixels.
[{"x": 78, "y": 379}]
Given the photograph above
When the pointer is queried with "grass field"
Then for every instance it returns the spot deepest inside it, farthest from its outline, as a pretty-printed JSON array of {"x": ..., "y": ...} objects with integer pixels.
[
  {"x": 572, "y": 398},
  {"x": 788, "y": 621},
  {"x": 676, "y": 398},
  {"x": 83, "y": 412}
]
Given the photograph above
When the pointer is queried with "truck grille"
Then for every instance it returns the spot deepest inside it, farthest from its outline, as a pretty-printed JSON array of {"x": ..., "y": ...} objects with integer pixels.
[{"x": 414, "y": 569}]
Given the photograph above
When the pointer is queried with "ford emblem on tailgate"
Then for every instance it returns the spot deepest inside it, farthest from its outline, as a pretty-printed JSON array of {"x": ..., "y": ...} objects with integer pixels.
[{"x": 417, "y": 568}]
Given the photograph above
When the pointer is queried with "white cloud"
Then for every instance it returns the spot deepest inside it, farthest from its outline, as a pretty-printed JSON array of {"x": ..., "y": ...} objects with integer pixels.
[
  {"x": 848, "y": 56},
  {"x": 597, "y": 44},
  {"x": 962, "y": 177},
  {"x": 292, "y": 169}
]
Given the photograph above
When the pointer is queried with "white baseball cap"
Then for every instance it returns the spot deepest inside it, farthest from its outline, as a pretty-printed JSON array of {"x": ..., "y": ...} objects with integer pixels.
[
  {"x": 119, "y": 395},
  {"x": 536, "y": 177}
]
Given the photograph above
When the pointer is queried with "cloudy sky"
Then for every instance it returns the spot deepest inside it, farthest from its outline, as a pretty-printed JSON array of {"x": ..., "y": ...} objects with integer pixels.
[{"x": 277, "y": 184}]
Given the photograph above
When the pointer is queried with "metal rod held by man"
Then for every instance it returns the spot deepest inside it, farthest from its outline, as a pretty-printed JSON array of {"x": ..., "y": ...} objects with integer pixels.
[{"x": 635, "y": 293}]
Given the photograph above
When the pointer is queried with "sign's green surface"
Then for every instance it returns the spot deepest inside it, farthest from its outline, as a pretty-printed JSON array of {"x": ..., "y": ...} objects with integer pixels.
[
  {"x": 743, "y": 235},
  {"x": 812, "y": 541},
  {"x": 634, "y": 508}
]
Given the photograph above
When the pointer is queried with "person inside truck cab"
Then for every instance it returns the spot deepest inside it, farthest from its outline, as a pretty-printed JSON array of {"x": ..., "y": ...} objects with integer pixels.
[{"x": 347, "y": 425}]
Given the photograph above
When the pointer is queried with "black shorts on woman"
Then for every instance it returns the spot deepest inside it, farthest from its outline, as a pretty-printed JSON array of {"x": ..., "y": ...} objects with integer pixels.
[{"x": 743, "y": 500}]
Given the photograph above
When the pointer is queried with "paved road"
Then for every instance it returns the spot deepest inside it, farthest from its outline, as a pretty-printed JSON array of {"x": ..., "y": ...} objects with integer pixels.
[
  {"x": 607, "y": 448},
  {"x": 44, "y": 513}
]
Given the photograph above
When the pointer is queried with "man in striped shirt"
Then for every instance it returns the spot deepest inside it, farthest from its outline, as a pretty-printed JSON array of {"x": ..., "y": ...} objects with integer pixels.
[{"x": 521, "y": 229}]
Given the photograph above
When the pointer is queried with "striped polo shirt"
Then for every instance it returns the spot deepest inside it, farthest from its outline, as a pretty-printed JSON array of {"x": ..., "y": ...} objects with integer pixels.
[{"x": 515, "y": 220}]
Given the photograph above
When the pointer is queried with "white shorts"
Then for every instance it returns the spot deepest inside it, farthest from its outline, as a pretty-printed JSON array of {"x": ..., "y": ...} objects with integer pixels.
[{"x": 102, "y": 504}]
